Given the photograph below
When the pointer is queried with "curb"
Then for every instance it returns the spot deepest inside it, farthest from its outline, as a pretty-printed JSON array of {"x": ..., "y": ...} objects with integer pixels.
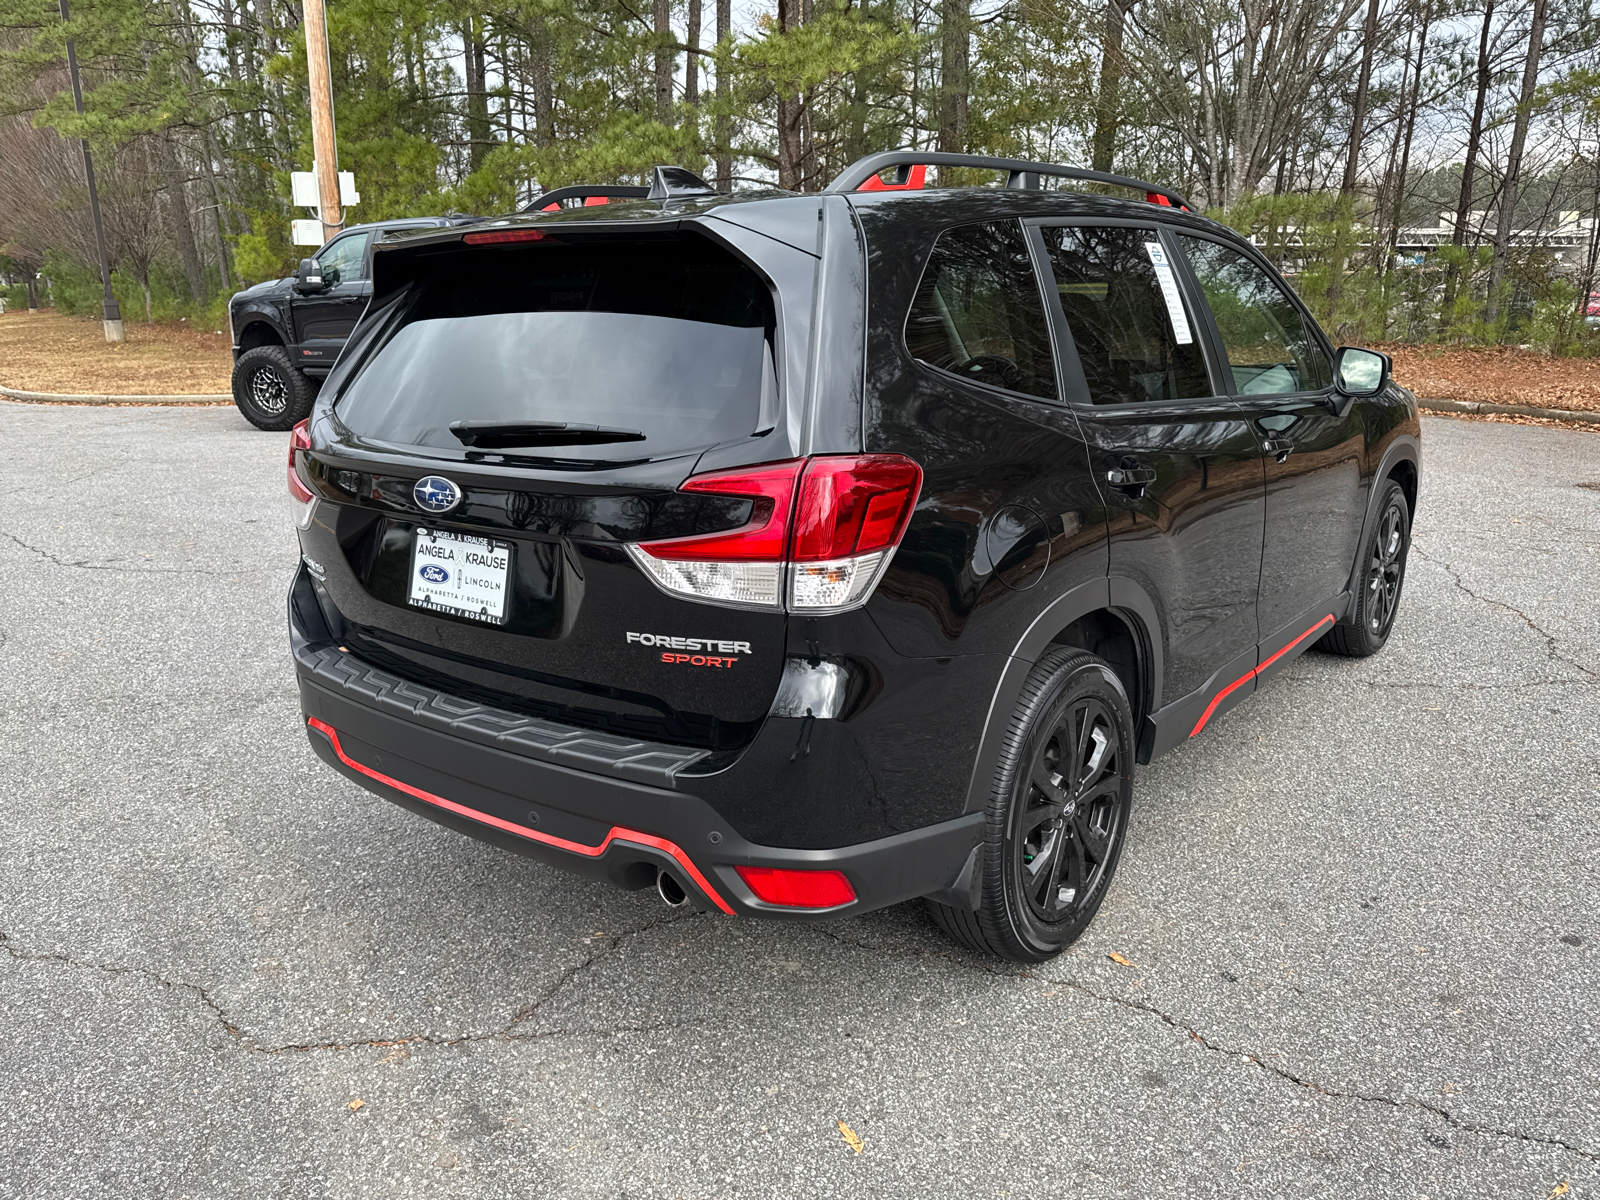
[
  {"x": 62, "y": 398},
  {"x": 1515, "y": 410}
]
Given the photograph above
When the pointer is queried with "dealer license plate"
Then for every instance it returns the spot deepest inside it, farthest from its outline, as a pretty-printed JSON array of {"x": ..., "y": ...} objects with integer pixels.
[{"x": 462, "y": 575}]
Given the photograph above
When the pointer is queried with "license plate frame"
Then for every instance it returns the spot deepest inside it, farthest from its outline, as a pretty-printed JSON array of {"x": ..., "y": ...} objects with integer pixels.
[{"x": 470, "y": 587}]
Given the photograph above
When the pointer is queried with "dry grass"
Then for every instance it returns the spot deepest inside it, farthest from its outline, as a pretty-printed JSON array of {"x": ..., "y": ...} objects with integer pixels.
[
  {"x": 1499, "y": 375},
  {"x": 46, "y": 352}
]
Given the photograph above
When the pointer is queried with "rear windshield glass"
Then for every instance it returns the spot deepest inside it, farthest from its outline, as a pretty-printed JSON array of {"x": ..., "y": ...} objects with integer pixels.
[{"x": 668, "y": 338}]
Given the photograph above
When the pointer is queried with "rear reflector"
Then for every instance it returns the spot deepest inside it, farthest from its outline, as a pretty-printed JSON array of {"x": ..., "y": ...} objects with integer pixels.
[
  {"x": 821, "y": 532},
  {"x": 498, "y": 236},
  {"x": 798, "y": 889}
]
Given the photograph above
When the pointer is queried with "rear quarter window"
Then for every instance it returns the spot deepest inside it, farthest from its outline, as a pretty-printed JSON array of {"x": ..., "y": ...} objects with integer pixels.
[{"x": 977, "y": 312}]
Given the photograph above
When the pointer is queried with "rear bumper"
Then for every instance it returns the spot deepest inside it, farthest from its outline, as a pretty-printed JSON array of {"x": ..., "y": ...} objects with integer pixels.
[{"x": 525, "y": 789}]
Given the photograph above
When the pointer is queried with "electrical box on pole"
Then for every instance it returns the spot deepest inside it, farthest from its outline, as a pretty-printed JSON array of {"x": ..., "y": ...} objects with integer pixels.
[{"x": 305, "y": 193}]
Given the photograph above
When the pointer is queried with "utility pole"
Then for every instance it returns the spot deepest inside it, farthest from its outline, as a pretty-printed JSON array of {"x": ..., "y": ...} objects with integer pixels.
[
  {"x": 324, "y": 146},
  {"x": 113, "y": 315}
]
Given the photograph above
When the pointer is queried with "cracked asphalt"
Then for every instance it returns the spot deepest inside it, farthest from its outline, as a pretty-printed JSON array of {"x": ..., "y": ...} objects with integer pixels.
[{"x": 1362, "y": 910}]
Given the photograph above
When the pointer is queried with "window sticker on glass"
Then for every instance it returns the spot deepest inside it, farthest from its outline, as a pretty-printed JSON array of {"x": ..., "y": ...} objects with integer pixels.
[{"x": 1169, "y": 293}]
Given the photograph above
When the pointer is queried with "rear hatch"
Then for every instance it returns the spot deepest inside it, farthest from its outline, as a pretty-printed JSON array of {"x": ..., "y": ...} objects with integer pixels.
[{"x": 517, "y": 413}]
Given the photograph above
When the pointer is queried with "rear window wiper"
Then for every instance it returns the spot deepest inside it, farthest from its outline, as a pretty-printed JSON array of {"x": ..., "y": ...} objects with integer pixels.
[{"x": 493, "y": 435}]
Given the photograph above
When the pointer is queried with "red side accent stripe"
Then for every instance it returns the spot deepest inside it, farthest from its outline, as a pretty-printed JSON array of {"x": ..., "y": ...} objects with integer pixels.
[
  {"x": 1249, "y": 675},
  {"x": 617, "y": 833}
]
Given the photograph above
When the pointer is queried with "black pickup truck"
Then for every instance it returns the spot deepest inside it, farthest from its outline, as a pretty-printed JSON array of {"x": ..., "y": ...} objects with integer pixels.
[{"x": 287, "y": 333}]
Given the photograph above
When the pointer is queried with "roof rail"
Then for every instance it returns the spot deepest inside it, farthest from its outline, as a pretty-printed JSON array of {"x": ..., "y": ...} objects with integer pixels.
[
  {"x": 862, "y": 175},
  {"x": 555, "y": 200}
]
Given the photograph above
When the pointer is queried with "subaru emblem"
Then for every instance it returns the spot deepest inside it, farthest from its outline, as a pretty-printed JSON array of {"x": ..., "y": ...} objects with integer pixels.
[{"x": 436, "y": 494}]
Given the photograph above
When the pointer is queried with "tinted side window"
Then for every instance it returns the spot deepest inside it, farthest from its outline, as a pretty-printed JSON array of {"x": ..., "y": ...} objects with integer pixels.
[
  {"x": 1127, "y": 316},
  {"x": 977, "y": 312},
  {"x": 342, "y": 261},
  {"x": 1263, "y": 333}
]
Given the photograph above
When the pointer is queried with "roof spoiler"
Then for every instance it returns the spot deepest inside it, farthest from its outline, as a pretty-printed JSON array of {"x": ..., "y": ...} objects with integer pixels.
[{"x": 911, "y": 168}]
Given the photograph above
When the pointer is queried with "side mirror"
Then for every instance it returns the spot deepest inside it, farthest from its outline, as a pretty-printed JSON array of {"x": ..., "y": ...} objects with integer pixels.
[
  {"x": 309, "y": 277},
  {"x": 1358, "y": 372}
]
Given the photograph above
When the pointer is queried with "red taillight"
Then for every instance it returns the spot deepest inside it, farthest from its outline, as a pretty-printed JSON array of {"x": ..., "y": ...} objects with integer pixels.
[
  {"x": 498, "y": 236},
  {"x": 299, "y": 439},
  {"x": 764, "y": 538},
  {"x": 798, "y": 889},
  {"x": 854, "y": 505},
  {"x": 819, "y": 535}
]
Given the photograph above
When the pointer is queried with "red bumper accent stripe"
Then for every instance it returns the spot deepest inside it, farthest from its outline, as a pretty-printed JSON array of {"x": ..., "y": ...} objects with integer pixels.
[
  {"x": 618, "y": 833},
  {"x": 1249, "y": 675}
]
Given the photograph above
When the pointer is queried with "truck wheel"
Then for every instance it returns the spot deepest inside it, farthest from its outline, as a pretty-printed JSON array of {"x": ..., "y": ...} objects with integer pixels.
[
  {"x": 269, "y": 391},
  {"x": 1058, "y": 812}
]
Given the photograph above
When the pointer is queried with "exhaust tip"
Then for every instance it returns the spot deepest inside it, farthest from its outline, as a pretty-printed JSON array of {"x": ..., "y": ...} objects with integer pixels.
[{"x": 671, "y": 890}]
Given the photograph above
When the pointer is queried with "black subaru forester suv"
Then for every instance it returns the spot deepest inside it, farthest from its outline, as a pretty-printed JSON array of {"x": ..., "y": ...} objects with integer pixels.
[{"x": 800, "y": 555}]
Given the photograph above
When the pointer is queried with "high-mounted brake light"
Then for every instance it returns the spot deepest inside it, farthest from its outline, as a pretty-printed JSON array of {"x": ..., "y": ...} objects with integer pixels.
[
  {"x": 820, "y": 534},
  {"x": 798, "y": 889},
  {"x": 497, "y": 236}
]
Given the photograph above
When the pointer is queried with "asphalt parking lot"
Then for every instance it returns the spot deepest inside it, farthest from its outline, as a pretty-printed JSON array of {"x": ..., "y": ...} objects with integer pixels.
[{"x": 1362, "y": 910}]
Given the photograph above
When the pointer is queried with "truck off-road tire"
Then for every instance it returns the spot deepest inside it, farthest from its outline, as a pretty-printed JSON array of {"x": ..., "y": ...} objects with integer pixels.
[
  {"x": 270, "y": 391},
  {"x": 1366, "y": 627},
  {"x": 1058, "y": 812}
]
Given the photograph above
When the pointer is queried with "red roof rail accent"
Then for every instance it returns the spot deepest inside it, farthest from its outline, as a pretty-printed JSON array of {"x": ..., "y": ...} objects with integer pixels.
[
  {"x": 915, "y": 178},
  {"x": 862, "y": 175}
]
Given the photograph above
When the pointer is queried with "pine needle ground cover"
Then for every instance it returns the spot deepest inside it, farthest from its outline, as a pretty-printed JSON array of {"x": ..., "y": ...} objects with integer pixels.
[
  {"x": 1498, "y": 375},
  {"x": 47, "y": 352}
]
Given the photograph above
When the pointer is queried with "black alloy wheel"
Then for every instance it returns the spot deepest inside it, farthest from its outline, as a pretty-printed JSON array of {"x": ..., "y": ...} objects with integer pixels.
[
  {"x": 1058, "y": 814},
  {"x": 270, "y": 392},
  {"x": 1072, "y": 812},
  {"x": 1366, "y": 627}
]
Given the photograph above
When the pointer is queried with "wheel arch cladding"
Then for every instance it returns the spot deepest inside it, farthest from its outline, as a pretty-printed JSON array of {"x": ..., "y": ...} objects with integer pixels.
[
  {"x": 1400, "y": 463},
  {"x": 259, "y": 332},
  {"x": 1404, "y": 472},
  {"x": 1112, "y": 634},
  {"x": 1111, "y": 618}
]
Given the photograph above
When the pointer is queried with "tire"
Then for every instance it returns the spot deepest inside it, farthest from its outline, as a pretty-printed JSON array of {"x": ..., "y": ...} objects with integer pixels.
[
  {"x": 1366, "y": 627},
  {"x": 269, "y": 390},
  {"x": 1046, "y": 826}
]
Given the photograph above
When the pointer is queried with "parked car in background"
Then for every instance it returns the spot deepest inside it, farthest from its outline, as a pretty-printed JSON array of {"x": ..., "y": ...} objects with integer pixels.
[{"x": 287, "y": 333}]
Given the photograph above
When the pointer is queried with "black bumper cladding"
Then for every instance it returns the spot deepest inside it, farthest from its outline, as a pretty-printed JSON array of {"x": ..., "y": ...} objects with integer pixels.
[
  {"x": 593, "y": 803},
  {"x": 616, "y": 833}
]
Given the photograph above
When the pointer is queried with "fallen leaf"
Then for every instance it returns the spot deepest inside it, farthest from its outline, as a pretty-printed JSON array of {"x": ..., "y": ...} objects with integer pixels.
[
  {"x": 1117, "y": 958},
  {"x": 355, "y": 1104},
  {"x": 851, "y": 1137},
  {"x": 1560, "y": 1189}
]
